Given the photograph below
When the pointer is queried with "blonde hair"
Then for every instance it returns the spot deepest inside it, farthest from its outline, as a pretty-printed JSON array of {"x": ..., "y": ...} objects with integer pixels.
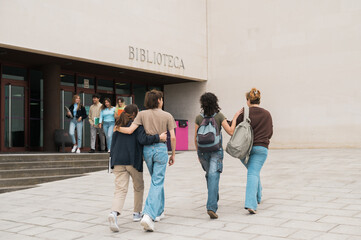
[
  {"x": 254, "y": 96},
  {"x": 74, "y": 99}
]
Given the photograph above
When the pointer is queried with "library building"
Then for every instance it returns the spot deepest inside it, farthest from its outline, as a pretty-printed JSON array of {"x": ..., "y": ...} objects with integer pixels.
[{"x": 306, "y": 68}]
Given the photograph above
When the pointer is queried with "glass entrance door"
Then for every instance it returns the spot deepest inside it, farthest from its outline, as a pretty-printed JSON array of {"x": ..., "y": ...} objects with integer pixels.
[
  {"x": 87, "y": 101},
  {"x": 14, "y": 116}
]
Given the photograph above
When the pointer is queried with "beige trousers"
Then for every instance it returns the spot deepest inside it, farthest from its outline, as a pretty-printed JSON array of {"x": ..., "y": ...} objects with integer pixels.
[{"x": 122, "y": 174}]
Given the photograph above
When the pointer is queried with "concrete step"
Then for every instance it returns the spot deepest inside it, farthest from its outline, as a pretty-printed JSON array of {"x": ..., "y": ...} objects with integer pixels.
[
  {"x": 24, "y": 173},
  {"x": 11, "y": 189},
  {"x": 52, "y": 164},
  {"x": 52, "y": 157},
  {"x": 28, "y": 181}
]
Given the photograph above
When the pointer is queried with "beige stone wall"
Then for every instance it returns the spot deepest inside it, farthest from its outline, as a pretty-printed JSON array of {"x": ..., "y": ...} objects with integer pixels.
[
  {"x": 101, "y": 31},
  {"x": 304, "y": 56},
  {"x": 182, "y": 101}
]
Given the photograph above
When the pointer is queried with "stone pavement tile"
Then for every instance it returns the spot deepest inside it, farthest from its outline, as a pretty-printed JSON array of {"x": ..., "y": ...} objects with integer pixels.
[
  {"x": 333, "y": 212},
  {"x": 14, "y": 236},
  {"x": 20, "y": 228},
  {"x": 314, "y": 198},
  {"x": 269, "y": 230},
  {"x": 182, "y": 220},
  {"x": 353, "y": 207},
  {"x": 340, "y": 220},
  {"x": 346, "y": 200},
  {"x": 141, "y": 234},
  {"x": 347, "y": 229},
  {"x": 277, "y": 201},
  {"x": 298, "y": 216},
  {"x": 42, "y": 221},
  {"x": 181, "y": 230},
  {"x": 173, "y": 237},
  {"x": 61, "y": 234},
  {"x": 308, "y": 225},
  {"x": 268, "y": 238},
  {"x": 219, "y": 234},
  {"x": 253, "y": 219},
  {"x": 287, "y": 208},
  {"x": 324, "y": 205},
  {"x": 71, "y": 225},
  {"x": 234, "y": 227},
  {"x": 8, "y": 224},
  {"x": 105, "y": 230},
  {"x": 332, "y": 236},
  {"x": 79, "y": 216},
  {"x": 212, "y": 224},
  {"x": 305, "y": 234},
  {"x": 35, "y": 230},
  {"x": 354, "y": 238}
]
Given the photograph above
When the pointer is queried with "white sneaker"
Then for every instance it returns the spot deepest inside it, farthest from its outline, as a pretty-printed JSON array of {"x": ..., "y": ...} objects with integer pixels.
[
  {"x": 137, "y": 216},
  {"x": 78, "y": 150},
  {"x": 75, "y": 147},
  {"x": 108, "y": 151},
  {"x": 147, "y": 223},
  {"x": 157, "y": 219},
  {"x": 113, "y": 224}
]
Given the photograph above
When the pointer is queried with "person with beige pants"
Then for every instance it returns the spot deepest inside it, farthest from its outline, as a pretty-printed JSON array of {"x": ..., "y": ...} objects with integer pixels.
[
  {"x": 122, "y": 174},
  {"x": 126, "y": 160}
]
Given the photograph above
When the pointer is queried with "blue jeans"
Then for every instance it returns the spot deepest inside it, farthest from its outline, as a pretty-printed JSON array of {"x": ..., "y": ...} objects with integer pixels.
[
  {"x": 212, "y": 164},
  {"x": 256, "y": 160},
  {"x": 108, "y": 131},
  {"x": 79, "y": 130},
  {"x": 156, "y": 158}
]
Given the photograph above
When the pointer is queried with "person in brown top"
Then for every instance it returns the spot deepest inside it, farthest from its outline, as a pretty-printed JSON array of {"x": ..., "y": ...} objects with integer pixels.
[
  {"x": 262, "y": 126},
  {"x": 155, "y": 121}
]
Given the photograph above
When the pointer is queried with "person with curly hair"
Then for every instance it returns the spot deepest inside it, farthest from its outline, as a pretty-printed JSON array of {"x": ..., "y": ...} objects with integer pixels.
[
  {"x": 262, "y": 126},
  {"x": 212, "y": 161}
]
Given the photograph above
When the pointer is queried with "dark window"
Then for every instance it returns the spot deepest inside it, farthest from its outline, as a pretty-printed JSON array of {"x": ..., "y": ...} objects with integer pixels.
[
  {"x": 14, "y": 73},
  {"x": 122, "y": 88},
  {"x": 139, "y": 95},
  {"x": 36, "y": 108},
  {"x": 67, "y": 80},
  {"x": 106, "y": 85},
  {"x": 85, "y": 82}
]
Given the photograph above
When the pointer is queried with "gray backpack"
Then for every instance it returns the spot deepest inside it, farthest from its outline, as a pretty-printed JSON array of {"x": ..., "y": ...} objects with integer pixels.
[{"x": 241, "y": 142}]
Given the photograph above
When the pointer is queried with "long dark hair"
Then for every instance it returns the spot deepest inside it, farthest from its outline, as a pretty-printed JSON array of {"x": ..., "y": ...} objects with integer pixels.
[
  {"x": 129, "y": 112},
  {"x": 209, "y": 104},
  {"x": 108, "y": 100}
]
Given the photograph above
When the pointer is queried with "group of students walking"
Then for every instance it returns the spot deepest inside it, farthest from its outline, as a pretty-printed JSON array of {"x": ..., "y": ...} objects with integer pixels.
[
  {"x": 143, "y": 135},
  {"x": 102, "y": 118}
]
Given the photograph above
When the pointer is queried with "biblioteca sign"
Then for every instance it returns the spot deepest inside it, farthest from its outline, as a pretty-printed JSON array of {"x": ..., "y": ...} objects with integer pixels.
[{"x": 161, "y": 59}]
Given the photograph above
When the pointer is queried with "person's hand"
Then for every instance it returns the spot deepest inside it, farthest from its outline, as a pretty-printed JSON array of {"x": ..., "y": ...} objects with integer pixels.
[
  {"x": 238, "y": 113},
  {"x": 171, "y": 160},
  {"x": 69, "y": 114},
  {"x": 79, "y": 119},
  {"x": 100, "y": 125},
  {"x": 163, "y": 137}
]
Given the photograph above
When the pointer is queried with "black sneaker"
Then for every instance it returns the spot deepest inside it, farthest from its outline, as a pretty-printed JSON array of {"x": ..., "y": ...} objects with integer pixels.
[{"x": 91, "y": 151}]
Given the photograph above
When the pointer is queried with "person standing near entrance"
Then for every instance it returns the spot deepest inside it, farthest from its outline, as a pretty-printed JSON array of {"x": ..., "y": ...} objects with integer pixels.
[
  {"x": 94, "y": 117},
  {"x": 77, "y": 113},
  {"x": 107, "y": 121},
  {"x": 262, "y": 126},
  {"x": 155, "y": 121},
  {"x": 210, "y": 151},
  {"x": 119, "y": 108}
]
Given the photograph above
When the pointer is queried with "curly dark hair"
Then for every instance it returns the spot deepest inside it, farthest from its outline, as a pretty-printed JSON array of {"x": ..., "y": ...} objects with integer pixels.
[{"x": 209, "y": 104}]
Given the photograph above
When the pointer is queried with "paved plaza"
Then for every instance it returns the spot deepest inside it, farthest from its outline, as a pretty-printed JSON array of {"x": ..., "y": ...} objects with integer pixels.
[{"x": 308, "y": 194}]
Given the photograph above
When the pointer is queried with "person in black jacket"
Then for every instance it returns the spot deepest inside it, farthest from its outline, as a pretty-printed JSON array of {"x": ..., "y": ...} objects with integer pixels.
[
  {"x": 77, "y": 113},
  {"x": 126, "y": 160}
]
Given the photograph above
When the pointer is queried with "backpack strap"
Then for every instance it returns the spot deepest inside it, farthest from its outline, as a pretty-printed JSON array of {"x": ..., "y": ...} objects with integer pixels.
[{"x": 246, "y": 114}]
